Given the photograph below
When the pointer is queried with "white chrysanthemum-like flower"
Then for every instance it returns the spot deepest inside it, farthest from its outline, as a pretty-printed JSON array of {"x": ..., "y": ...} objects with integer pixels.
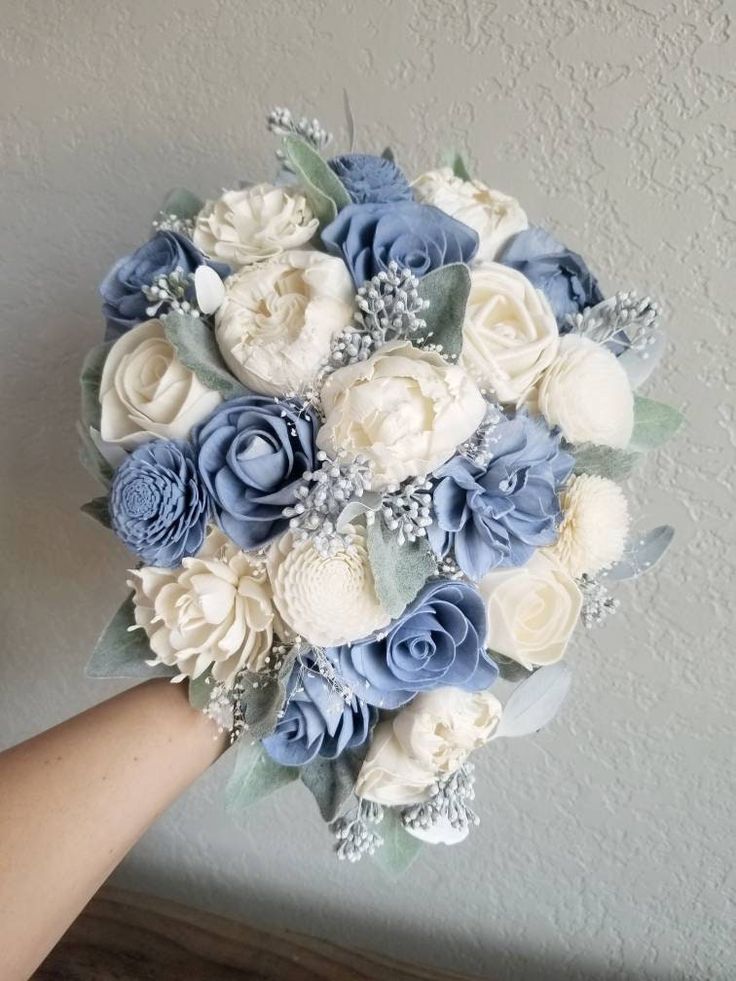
[
  {"x": 493, "y": 215},
  {"x": 277, "y": 322},
  {"x": 257, "y": 223},
  {"x": 593, "y": 531},
  {"x": 326, "y": 599},
  {"x": 216, "y": 611},
  {"x": 586, "y": 392}
]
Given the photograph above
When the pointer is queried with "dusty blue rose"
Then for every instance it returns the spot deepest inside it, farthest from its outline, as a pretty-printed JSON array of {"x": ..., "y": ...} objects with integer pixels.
[
  {"x": 559, "y": 273},
  {"x": 370, "y": 179},
  {"x": 158, "y": 504},
  {"x": 438, "y": 641},
  {"x": 124, "y": 303},
  {"x": 252, "y": 453},
  {"x": 499, "y": 514},
  {"x": 369, "y": 236},
  {"x": 317, "y": 721}
]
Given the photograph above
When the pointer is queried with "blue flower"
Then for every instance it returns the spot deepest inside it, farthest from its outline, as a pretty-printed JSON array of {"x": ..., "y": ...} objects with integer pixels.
[
  {"x": 124, "y": 303},
  {"x": 438, "y": 641},
  {"x": 369, "y": 179},
  {"x": 499, "y": 514},
  {"x": 418, "y": 236},
  {"x": 317, "y": 721},
  {"x": 560, "y": 274},
  {"x": 158, "y": 505},
  {"x": 252, "y": 453}
]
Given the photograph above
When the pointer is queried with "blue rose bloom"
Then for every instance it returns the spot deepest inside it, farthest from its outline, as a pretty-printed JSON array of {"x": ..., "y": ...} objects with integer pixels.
[
  {"x": 437, "y": 642},
  {"x": 499, "y": 514},
  {"x": 368, "y": 236},
  {"x": 559, "y": 273},
  {"x": 369, "y": 179},
  {"x": 252, "y": 453},
  {"x": 124, "y": 303},
  {"x": 317, "y": 721},
  {"x": 158, "y": 504}
]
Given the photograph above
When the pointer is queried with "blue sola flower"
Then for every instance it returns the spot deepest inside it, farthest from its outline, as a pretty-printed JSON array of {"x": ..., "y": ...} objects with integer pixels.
[
  {"x": 369, "y": 179},
  {"x": 497, "y": 515}
]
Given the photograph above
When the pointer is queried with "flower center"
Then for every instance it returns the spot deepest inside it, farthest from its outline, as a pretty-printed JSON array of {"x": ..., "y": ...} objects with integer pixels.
[{"x": 141, "y": 499}]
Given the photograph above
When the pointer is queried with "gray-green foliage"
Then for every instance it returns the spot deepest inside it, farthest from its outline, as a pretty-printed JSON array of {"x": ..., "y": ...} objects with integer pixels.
[
  {"x": 447, "y": 290},
  {"x": 654, "y": 423},
  {"x": 399, "y": 571},
  {"x": 195, "y": 344},
  {"x": 331, "y": 782},
  {"x": 121, "y": 652},
  {"x": 255, "y": 776},
  {"x": 323, "y": 188}
]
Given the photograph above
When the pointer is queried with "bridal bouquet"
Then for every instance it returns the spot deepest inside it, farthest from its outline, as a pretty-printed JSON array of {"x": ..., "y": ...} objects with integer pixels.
[{"x": 364, "y": 438}]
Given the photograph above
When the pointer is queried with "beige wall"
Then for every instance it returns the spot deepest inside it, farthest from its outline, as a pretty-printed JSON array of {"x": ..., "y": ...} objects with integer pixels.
[{"x": 606, "y": 842}]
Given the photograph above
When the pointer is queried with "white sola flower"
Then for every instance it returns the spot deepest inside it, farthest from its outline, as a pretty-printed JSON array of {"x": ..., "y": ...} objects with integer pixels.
[
  {"x": 593, "y": 531},
  {"x": 216, "y": 611},
  {"x": 254, "y": 224},
  {"x": 326, "y": 599}
]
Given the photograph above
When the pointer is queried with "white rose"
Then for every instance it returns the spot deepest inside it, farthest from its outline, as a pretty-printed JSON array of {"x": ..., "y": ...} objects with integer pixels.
[
  {"x": 146, "y": 391},
  {"x": 404, "y": 409},
  {"x": 594, "y": 527},
  {"x": 216, "y": 611},
  {"x": 586, "y": 392},
  {"x": 326, "y": 599},
  {"x": 532, "y": 610},
  {"x": 254, "y": 224},
  {"x": 510, "y": 334},
  {"x": 276, "y": 324},
  {"x": 493, "y": 215},
  {"x": 389, "y": 776}
]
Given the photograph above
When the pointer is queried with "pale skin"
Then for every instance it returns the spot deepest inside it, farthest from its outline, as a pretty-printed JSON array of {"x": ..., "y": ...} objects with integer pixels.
[{"x": 75, "y": 799}]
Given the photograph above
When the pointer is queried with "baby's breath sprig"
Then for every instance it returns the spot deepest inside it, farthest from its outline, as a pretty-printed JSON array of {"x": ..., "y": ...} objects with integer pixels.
[
  {"x": 449, "y": 801},
  {"x": 406, "y": 509},
  {"x": 354, "y": 837},
  {"x": 170, "y": 293},
  {"x": 598, "y": 604},
  {"x": 479, "y": 447},
  {"x": 624, "y": 313},
  {"x": 173, "y": 223}
]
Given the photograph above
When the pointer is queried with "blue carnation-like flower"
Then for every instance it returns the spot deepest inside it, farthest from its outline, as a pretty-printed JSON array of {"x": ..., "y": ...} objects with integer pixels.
[
  {"x": 124, "y": 303},
  {"x": 559, "y": 273},
  {"x": 370, "y": 179},
  {"x": 252, "y": 453},
  {"x": 158, "y": 504},
  {"x": 317, "y": 720},
  {"x": 438, "y": 641},
  {"x": 417, "y": 236},
  {"x": 497, "y": 515}
]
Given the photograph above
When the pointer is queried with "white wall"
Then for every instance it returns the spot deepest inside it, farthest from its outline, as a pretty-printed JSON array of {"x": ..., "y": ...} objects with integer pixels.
[{"x": 606, "y": 843}]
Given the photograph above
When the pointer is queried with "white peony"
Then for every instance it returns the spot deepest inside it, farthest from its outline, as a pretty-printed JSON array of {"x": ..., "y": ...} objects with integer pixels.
[
  {"x": 510, "y": 334},
  {"x": 254, "y": 224},
  {"x": 404, "y": 409},
  {"x": 532, "y": 610},
  {"x": 326, "y": 599},
  {"x": 595, "y": 524},
  {"x": 493, "y": 215},
  {"x": 216, "y": 611},
  {"x": 146, "y": 391},
  {"x": 586, "y": 392},
  {"x": 276, "y": 324},
  {"x": 391, "y": 777}
]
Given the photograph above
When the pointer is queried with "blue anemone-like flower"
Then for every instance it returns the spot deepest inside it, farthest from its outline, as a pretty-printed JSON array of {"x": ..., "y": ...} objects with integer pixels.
[{"x": 370, "y": 179}]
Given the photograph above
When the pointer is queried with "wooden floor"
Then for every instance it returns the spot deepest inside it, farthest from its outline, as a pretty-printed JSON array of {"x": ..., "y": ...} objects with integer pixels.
[{"x": 125, "y": 936}]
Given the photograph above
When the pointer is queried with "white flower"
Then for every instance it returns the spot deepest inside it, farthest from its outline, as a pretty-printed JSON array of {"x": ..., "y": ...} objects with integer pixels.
[
  {"x": 532, "y": 610},
  {"x": 595, "y": 523},
  {"x": 389, "y": 776},
  {"x": 327, "y": 600},
  {"x": 586, "y": 392},
  {"x": 404, "y": 409},
  {"x": 493, "y": 215},
  {"x": 146, "y": 391},
  {"x": 510, "y": 334},
  {"x": 276, "y": 324},
  {"x": 216, "y": 611},
  {"x": 254, "y": 224}
]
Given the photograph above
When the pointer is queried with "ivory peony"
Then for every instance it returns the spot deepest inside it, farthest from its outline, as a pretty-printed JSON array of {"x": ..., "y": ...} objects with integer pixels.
[{"x": 593, "y": 531}]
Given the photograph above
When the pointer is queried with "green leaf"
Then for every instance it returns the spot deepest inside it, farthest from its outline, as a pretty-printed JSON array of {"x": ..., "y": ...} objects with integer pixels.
[
  {"x": 388, "y": 154},
  {"x": 604, "y": 461},
  {"x": 89, "y": 380},
  {"x": 323, "y": 188},
  {"x": 654, "y": 424},
  {"x": 194, "y": 343},
  {"x": 332, "y": 782},
  {"x": 447, "y": 290},
  {"x": 181, "y": 203},
  {"x": 265, "y": 697},
  {"x": 200, "y": 689},
  {"x": 459, "y": 169},
  {"x": 399, "y": 848},
  {"x": 91, "y": 458},
  {"x": 122, "y": 653},
  {"x": 254, "y": 777},
  {"x": 99, "y": 510},
  {"x": 399, "y": 571}
]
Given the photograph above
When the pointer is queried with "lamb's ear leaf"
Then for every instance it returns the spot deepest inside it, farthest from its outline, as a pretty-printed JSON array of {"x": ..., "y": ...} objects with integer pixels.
[
  {"x": 195, "y": 345},
  {"x": 399, "y": 571},
  {"x": 89, "y": 380},
  {"x": 332, "y": 782},
  {"x": 459, "y": 169},
  {"x": 535, "y": 702},
  {"x": 447, "y": 290},
  {"x": 654, "y": 423},
  {"x": 323, "y": 188},
  {"x": 181, "y": 203},
  {"x": 603, "y": 461},
  {"x": 91, "y": 459},
  {"x": 254, "y": 777},
  {"x": 388, "y": 154},
  {"x": 99, "y": 510},
  {"x": 122, "y": 653},
  {"x": 200, "y": 689},
  {"x": 399, "y": 848},
  {"x": 642, "y": 554}
]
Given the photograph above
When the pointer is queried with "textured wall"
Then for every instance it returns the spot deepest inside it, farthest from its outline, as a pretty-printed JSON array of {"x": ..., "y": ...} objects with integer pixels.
[{"x": 606, "y": 843}]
